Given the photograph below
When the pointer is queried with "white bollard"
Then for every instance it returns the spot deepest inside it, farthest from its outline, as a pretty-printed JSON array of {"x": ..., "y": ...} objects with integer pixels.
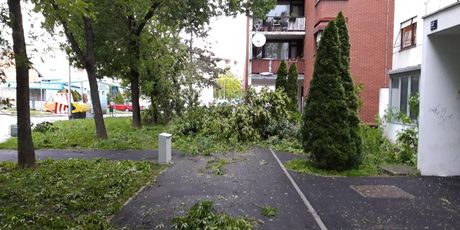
[{"x": 164, "y": 153}]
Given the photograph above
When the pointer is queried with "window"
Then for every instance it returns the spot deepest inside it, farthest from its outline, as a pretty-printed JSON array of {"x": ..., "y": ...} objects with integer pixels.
[
  {"x": 403, "y": 87},
  {"x": 318, "y": 38},
  {"x": 279, "y": 50},
  {"x": 408, "y": 36}
]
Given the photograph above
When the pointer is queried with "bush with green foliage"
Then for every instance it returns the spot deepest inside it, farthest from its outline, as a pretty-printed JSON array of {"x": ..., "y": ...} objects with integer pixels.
[
  {"x": 326, "y": 130},
  {"x": 203, "y": 216},
  {"x": 44, "y": 127},
  {"x": 292, "y": 86},
  {"x": 407, "y": 145},
  {"x": 229, "y": 87},
  {"x": 281, "y": 76}
]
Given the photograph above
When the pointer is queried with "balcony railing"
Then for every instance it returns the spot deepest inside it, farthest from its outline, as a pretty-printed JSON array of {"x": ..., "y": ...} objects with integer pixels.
[
  {"x": 271, "y": 66},
  {"x": 279, "y": 24}
]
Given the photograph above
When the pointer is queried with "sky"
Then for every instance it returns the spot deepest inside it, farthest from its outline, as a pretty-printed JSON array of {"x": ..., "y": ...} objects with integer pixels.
[{"x": 226, "y": 39}]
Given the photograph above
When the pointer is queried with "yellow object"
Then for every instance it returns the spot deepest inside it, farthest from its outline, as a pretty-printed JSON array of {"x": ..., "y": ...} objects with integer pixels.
[
  {"x": 80, "y": 107},
  {"x": 49, "y": 106}
]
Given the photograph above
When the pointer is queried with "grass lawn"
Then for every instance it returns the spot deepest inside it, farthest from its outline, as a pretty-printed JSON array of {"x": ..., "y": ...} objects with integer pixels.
[
  {"x": 80, "y": 134},
  {"x": 306, "y": 166},
  {"x": 69, "y": 194}
]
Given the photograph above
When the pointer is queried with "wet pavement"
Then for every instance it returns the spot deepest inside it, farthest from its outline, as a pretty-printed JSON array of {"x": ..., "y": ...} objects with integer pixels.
[
  {"x": 254, "y": 179},
  {"x": 251, "y": 180},
  {"x": 406, "y": 202}
]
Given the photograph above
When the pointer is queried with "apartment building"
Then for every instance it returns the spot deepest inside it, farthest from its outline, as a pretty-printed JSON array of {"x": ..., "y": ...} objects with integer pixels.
[
  {"x": 293, "y": 30},
  {"x": 284, "y": 32}
]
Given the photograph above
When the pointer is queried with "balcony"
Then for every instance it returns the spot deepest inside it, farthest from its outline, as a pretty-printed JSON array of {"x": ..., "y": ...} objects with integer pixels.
[
  {"x": 271, "y": 66},
  {"x": 280, "y": 24}
]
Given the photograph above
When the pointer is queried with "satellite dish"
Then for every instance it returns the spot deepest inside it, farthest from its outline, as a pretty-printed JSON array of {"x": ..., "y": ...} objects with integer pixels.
[{"x": 258, "y": 40}]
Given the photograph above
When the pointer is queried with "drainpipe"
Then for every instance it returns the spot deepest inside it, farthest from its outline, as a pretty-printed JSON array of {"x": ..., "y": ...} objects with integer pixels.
[{"x": 386, "y": 43}]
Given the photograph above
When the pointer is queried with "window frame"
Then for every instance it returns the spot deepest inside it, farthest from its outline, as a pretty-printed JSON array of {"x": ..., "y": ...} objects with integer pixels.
[
  {"x": 410, "y": 76},
  {"x": 318, "y": 37},
  {"x": 413, "y": 39}
]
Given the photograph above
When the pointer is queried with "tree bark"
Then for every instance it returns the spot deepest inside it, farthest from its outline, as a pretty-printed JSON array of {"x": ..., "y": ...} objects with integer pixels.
[
  {"x": 90, "y": 66},
  {"x": 26, "y": 151},
  {"x": 135, "y": 92}
]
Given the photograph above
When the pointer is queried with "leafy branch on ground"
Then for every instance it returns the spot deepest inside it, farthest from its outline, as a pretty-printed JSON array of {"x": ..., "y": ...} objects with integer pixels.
[
  {"x": 269, "y": 211},
  {"x": 262, "y": 117},
  {"x": 216, "y": 166},
  {"x": 202, "y": 215},
  {"x": 69, "y": 194}
]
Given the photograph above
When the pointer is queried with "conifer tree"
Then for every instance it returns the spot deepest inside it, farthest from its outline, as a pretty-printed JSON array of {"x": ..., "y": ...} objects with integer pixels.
[
  {"x": 350, "y": 92},
  {"x": 325, "y": 132},
  {"x": 281, "y": 76},
  {"x": 291, "y": 85}
]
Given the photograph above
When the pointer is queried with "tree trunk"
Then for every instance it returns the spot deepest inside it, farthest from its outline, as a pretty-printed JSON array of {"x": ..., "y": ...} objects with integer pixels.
[
  {"x": 26, "y": 152},
  {"x": 90, "y": 66},
  {"x": 135, "y": 92}
]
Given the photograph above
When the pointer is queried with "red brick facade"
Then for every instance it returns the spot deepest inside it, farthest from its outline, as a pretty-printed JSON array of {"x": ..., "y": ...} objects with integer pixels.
[{"x": 370, "y": 25}]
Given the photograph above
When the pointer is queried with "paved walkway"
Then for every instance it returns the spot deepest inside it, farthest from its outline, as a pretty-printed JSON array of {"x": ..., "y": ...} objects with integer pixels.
[
  {"x": 251, "y": 180},
  {"x": 255, "y": 179}
]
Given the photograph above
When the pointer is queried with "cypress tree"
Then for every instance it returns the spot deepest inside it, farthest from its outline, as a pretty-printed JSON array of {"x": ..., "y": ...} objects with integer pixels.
[
  {"x": 350, "y": 92},
  {"x": 281, "y": 76},
  {"x": 325, "y": 132},
  {"x": 291, "y": 85}
]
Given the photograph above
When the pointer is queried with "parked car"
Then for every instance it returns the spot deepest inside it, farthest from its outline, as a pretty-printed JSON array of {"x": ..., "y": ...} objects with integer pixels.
[{"x": 124, "y": 107}]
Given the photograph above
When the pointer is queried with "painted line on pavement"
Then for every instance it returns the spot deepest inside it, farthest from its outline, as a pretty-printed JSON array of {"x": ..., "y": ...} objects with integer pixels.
[{"x": 302, "y": 196}]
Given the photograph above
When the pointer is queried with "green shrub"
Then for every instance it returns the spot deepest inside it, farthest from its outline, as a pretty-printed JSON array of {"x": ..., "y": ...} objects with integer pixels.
[
  {"x": 44, "y": 127},
  {"x": 281, "y": 76},
  {"x": 327, "y": 133},
  {"x": 292, "y": 86},
  {"x": 202, "y": 216},
  {"x": 407, "y": 142}
]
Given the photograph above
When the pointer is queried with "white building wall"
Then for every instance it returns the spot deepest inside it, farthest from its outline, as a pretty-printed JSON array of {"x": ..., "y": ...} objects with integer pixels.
[
  {"x": 439, "y": 145},
  {"x": 405, "y": 10}
]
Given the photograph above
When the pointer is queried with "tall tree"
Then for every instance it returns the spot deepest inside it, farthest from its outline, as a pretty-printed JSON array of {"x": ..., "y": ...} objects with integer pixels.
[
  {"x": 26, "y": 151},
  {"x": 281, "y": 76},
  {"x": 325, "y": 132},
  {"x": 292, "y": 85},
  {"x": 351, "y": 96},
  {"x": 192, "y": 15},
  {"x": 228, "y": 86},
  {"x": 76, "y": 18}
]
